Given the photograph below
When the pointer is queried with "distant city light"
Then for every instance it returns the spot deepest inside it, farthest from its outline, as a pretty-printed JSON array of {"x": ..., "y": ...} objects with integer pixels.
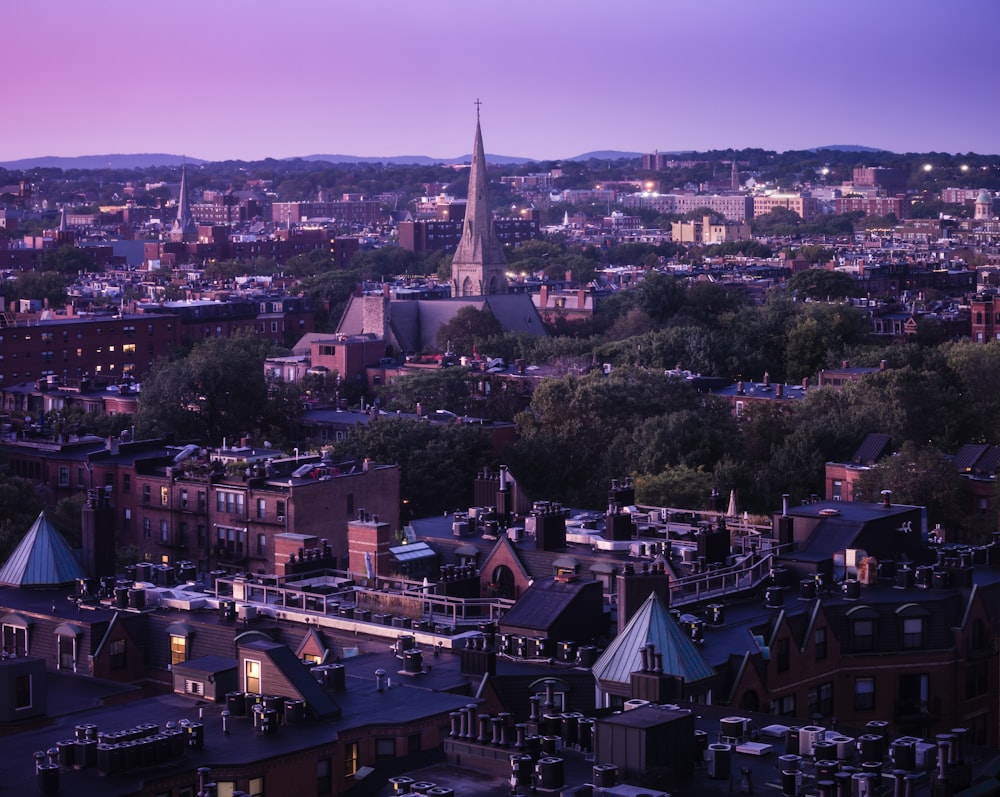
[{"x": 927, "y": 167}]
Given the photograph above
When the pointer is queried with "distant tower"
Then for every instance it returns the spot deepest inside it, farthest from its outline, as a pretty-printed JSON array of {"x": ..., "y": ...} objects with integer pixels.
[
  {"x": 734, "y": 177},
  {"x": 984, "y": 206},
  {"x": 479, "y": 266},
  {"x": 184, "y": 228}
]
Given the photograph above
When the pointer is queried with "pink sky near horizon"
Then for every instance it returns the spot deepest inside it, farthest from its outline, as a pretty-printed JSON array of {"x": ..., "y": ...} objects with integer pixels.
[{"x": 221, "y": 79}]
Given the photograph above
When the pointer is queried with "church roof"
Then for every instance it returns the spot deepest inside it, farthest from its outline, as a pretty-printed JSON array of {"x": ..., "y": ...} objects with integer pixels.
[
  {"x": 42, "y": 559},
  {"x": 651, "y": 624}
]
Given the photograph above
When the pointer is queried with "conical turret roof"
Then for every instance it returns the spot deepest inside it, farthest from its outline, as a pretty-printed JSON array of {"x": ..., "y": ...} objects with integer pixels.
[
  {"x": 43, "y": 558},
  {"x": 651, "y": 624}
]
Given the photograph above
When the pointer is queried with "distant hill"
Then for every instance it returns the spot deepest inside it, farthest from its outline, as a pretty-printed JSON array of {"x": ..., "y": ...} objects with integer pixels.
[
  {"x": 412, "y": 160},
  {"x": 847, "y": 148},
  {"x": 147, "y": 160},
  {"x": 136, "y": 161}
]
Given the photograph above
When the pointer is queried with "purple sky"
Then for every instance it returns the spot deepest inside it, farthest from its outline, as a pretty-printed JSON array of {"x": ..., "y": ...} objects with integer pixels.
[{"x": 250, "y": 79}]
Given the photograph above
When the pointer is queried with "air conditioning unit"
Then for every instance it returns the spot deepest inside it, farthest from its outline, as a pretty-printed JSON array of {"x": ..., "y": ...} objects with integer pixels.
[
  {"x": 246, "y": 611},
  {"x": 634, "y": 703},
  {"x": 281, "y": 518}
]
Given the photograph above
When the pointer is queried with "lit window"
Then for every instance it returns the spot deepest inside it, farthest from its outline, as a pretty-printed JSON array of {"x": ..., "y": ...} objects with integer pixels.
[{"x": 178, "y": 649}]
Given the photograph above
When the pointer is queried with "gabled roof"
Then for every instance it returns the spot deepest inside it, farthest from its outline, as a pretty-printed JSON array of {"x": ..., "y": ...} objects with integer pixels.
[
  {"x": 297, "y": 675},
  {"x": 651, "y": 624},
  {"x": 42, "y": 559}
]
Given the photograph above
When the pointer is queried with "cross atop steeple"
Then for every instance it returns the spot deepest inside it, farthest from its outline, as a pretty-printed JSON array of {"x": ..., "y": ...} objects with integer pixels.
[{"x": 477, "y": 103}]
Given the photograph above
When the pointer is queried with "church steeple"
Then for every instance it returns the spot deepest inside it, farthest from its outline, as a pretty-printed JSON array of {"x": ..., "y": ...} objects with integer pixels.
[
  {"x": 479, "y": 266},
  {"x": 184, "y": 228}
]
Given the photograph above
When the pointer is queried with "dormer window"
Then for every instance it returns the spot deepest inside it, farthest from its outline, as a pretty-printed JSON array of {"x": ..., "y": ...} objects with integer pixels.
[{"x": 912, "y": 625}]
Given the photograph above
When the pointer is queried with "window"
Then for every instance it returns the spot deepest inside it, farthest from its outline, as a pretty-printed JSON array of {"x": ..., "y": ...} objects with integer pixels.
[
  {"x": 127, "y": 517},
  {"x": 230, "y": 503},
  {"x": 261, "y": 544},
  {"x": 913, "y": 632},
  {"x": 126, "y": 483},
  {"x": 863, "y": 635},
  {"x": 164, "y": 496},
  {"x": 350, "y": 504},
  {"x": 785, "y": 706},
  {"x": 63, "y": 476},
  {"x": 147, "y": 527},
  {"x": 178, "y": 649},
  {"x": 781, "y": 655},
  {"x": 80, "y": 480},
  {"x": 280, "y": 510},
  {"x": 255, "y": 787},
  {"x": 67, "y": 652},
  {"x": 15, "y": 640},
  {"x": 145, "y": 493},
  {"x": 976, "y": 679},
  {"x": 116, "y": 654},
  {"x": 22, "y": 692},
  {"x": 225, "y": 788},
  {"x": 864, "y": 694},
  {"x": 324, "y": 783},
  {"x": 251, "y": 670},
  {"x": 164, "y": 532},
  {"x": 819, "y": 639},
  {"x": 385, "y": 748},
  {"x": 261, "y": 508},
  {"x": 821, "y": 700},
  {"x": 914, "y": 693},
  {"x": 350, "y": 759}
]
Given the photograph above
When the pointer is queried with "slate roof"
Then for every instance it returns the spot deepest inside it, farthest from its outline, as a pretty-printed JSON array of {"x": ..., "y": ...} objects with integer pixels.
[
  {"x": 651, "y": 623},
  {"x": 42, "y": 559},
  {"x": 872, "y": 448},
  {"x": 542, "y": 604}
]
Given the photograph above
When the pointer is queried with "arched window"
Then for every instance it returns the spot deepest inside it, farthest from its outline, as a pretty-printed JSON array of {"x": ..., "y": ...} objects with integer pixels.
[{"x": 502, "y": 583}]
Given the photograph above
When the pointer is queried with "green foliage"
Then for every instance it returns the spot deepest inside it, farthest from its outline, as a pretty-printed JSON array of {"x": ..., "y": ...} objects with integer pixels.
[
  {"x": 217, "y": 391},
  {"x": 680, "y": 486},
  {"x": 68, "y": 260},
  {"x": 822, "y": 284},
  {"x": 580, "y": 432},
  {"x": 437, "y": 461},
  {"x": 920, "y": 475},
  {"x": 469, "y": 327},
  {"x": 20, "y": 503},
  {"x": 49, "y": 286}
]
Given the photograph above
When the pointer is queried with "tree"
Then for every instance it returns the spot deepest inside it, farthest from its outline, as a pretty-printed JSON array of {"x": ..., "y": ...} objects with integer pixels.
[
  {"x": 660, "y": 296},
  {"x": 48, "y": 286},
  {"x": 66, "y": 260},
  {"x": 823, "y": 285},
  {"x": 467, "y": 328},
  {"x": 437, "y": 461},
  {"x": 217, "y": 391},
  {"x": 680, "y": 486},
  {"x": 920, "y": 475},
  {"x": 20, "y": 503},
  {"x": 434, "y": 389}
]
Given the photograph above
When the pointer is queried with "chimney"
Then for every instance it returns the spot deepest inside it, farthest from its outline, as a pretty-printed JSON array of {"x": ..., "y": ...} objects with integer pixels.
[
  {"x": 779, "y": 390},
  {"x": 739, "y": 388},
  {"x": 886, "y": 495},
  {"x": 881, "y": 365},
  {"x": 805, "y": 383},
  {"x": 784, "y": 504},
  {"x": 767, "y": 379},
  {"x": 581, "y": 298},
  {"x": 845, "y": 363},
  {"x": 543, "y": 296}
]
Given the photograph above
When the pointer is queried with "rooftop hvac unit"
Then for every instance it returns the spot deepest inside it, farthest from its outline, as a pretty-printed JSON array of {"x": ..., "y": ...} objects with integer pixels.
[
  {"x": 635, "y": 703},
  {"x": 246, "y": 611}
]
